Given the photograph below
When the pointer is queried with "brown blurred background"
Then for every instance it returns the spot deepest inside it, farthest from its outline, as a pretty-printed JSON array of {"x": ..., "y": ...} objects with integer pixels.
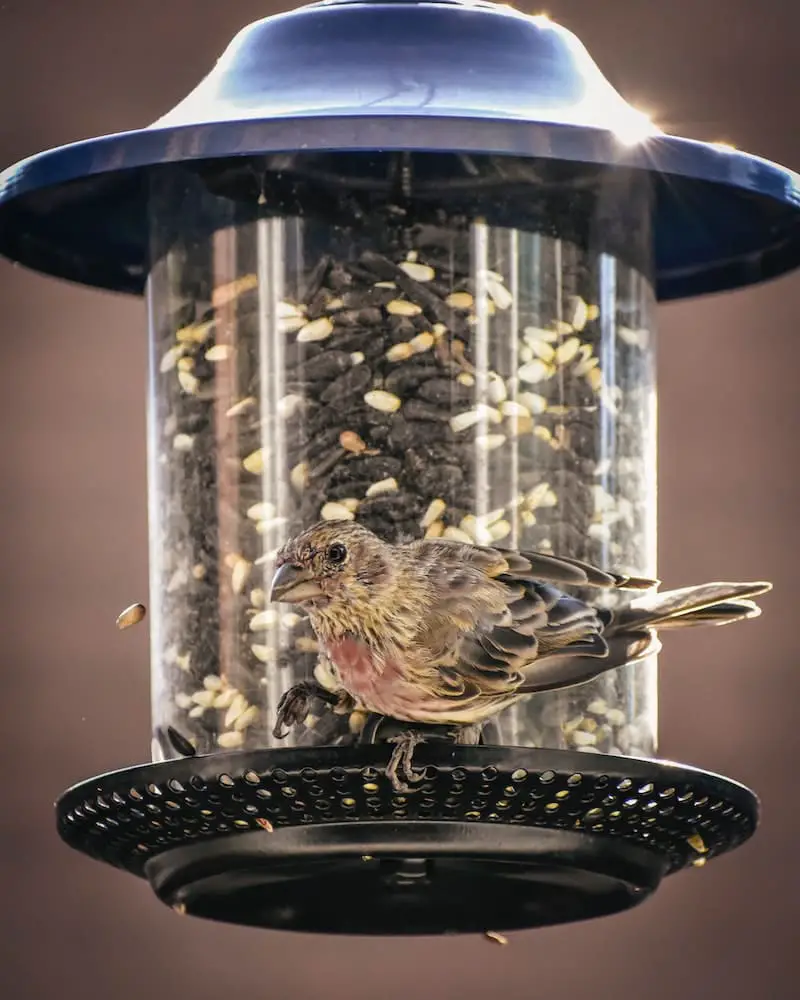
[{"x": 75, "y": 552}]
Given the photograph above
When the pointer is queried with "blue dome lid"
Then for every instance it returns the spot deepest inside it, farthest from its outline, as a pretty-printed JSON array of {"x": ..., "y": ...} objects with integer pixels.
[{"x": 402, "y": 75}]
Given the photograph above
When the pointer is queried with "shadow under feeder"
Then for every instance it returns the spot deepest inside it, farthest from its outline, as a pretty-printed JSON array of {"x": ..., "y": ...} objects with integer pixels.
[{"x": 384, "y": 288}]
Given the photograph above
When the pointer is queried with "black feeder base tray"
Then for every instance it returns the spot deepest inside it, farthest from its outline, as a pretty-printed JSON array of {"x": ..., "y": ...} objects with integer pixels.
[{"x": 494, "y": 839}]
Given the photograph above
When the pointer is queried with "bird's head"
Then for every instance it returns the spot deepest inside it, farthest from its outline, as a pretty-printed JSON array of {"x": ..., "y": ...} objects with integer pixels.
[{"x": 334, "y": 567}]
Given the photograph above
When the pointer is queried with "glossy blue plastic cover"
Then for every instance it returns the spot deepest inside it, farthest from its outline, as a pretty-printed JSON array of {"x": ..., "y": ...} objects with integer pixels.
[{"x": 446, "y": 75}]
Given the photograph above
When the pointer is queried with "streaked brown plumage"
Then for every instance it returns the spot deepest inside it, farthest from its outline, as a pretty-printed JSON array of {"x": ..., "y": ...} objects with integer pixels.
[{"x": 444, "y": 632}]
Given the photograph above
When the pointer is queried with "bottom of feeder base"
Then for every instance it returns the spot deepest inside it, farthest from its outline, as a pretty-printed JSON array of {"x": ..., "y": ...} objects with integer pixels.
[{"x": 493, "y": 838}]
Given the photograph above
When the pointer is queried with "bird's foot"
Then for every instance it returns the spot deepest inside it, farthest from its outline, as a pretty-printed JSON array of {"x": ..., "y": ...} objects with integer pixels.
[
  {"x": 294, "y": 706},
  {"x": 401, "y": 761}
]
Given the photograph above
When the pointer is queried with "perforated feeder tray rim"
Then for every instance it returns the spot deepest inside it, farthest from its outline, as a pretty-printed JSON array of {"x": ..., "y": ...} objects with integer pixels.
[{"x": 492, "y": 839}]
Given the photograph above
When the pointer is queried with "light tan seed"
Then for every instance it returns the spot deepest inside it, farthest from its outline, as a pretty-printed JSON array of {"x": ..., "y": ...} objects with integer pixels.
[
  {"x": 204, "y": 698},
  {"x": 298, "y": 477},
  {"x": 566, "y": 352},
  {"x": 532, "y": 334},
  {"x": 402, "y": 307},
  {"x": 497, "y": 391},
  {"x": 435, "y": 510},
  {"x": 541, "y": 349},
  {"x": 258, "y": 597},
  {"x": 580, "y": 314},
  {"x": 381, "y": 400},
  {"x": 562, "y": 327},
  {"x": 519, "y": 425},
  {"x": 182, "y": 700},
  {"x": 185, "y": 364},
  {"x": 261, "y": 511},
  {"x": 291, "y": 324},
  {"x": 592, "y": 313},
  {"x": 535, "y": 371},
  {"x": 422, "y": 342},
  {"x": 335, "y": 305},
  {"x": 241, "y": 406},
  {"x": 188, "y": 382},
  {"x": 463, "y": 421},
  {"x": 399, "y": 352},
  {"x": 132, "y": 615},
  {"x": 460, "y": 300},
  {"x": 170, "y": 358},
  {"x": 456, "y": 534},
  {"x": 247, "y": 718},
  {"x": 595, "y": 379},
  {"x": 317, "y": 329},
  {"x": 489, "y": 442},
  {"x": 230, "y": 740},
  {"x": 223, "y": 294},
  {"x": 219, "y": 352},
  {"x": 263, "y": 620},
  {"x": 254, "y": 462},
  {"x": 237, "y": 706},
  {"x": 195, "y": 333},
  {"x": 289, "y": 404},
  {"x": 286, "y": 309},
  {"x": 213, "y": 682},
  {"x": 419, "y": 272},
  {"x": 183, "y": 442},
  {"x": 239, "y": 575},
  {"x": 332, "y": 511},
  {"x": 263, "y": 653},
  {"x": 351, "y": 503},
  {"x": 384, "y": 284},
  {"x": 197, "y": 712},
  {"x": 697, "y": 843},
  {"x": 306, "y": 644},
  {"x": 351, "y": 441},
  {"x": 542, "y": 433},
  {"x": 584, "y": 366},
  {"x": 434, "y": 530},
  {"x": 541, "y": 495},
  {"x": 183, "y": 661},
  {"x": 465, "y": 378},
  {"x": 513, "y": 408},
  {"x": 500, "y": 295},
  {"x": 533, "y": 401},
  {"x": 388, "y": 485}
]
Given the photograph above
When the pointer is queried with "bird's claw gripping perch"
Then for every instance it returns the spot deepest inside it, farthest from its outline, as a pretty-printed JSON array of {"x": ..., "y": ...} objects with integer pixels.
[
  {"x": 402, "y": 761},
  {"x": 294, "y": 706}
]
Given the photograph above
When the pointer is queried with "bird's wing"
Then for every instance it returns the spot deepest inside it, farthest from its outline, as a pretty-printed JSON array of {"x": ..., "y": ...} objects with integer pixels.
[{"x": 492, "y": 615}]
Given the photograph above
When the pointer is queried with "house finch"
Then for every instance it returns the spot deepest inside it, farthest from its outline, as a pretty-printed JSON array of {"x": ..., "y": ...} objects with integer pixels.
[{"x": 442, "y": 632}]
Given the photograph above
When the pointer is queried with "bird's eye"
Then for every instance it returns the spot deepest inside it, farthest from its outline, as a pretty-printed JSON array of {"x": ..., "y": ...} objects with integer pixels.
[{"x": 337, "y": 553}]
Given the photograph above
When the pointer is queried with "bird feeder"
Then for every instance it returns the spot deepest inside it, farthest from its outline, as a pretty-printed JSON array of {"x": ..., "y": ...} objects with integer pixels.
[{"x": 401, "y": 262}]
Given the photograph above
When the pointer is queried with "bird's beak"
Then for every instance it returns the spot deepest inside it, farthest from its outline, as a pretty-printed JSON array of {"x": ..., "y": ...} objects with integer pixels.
[{"x": 293, "y": 584}]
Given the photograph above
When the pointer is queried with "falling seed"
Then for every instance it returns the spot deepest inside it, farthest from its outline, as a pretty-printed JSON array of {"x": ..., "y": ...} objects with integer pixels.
[
  {"x": 230, "y": 740},
  {"x": 263, "y": 619},
  {"x": 317, "y": 329},
  {"x": 238, "y": 408},
  {"x": 223, "y": 294},
  {"x": 566, "y": 352},
  {"x": 535, "y": 371},
  {"x": 131, "y": 616},
  {"x": 183, "y": 442},
  {"x": 170, "y": 359},
  {"x": 270, "y": 524},
  {"x": 298, "y": 477},
  {"x": 265, "y": 824},
  {"x": 179, "y": 908},
  {"x": 402, "y": 307},
  {"x": 357, "y": 357},
  {"x": 697, "y": 843},
  {"x": 419, "y": 272},
  {"x": 254, "y": 462},
  {"x": 353, "y": 442},
  {"x": 434, "y": 530},
  {"x": 698, "y": 862},
  {"x": 435, "y": 510},
  {"x": 496, "y": 937},
  {"x": 263, "y": 653},
  {"x": 247, "y": 718},
  {"x": 219, "y": 352},
  {"x": 422, "y": 342},
  {"x": 332, "y": 511},
  {"x": 388, "y": 485},
  {"x": 635, "y": 338},
  {"x": 488, "y": 442},
  {"x": 500, "y": 295},
  {"x": 456, "y": 534},
  {"x": 239, "y": 575},
  {"x": 460, "y": 300},
  {"x": 188, "y": 382},
  {"x": 580, "y": 314},
  {"x": 384, "y": 401},
  {"x": 261, "y": 511}
]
